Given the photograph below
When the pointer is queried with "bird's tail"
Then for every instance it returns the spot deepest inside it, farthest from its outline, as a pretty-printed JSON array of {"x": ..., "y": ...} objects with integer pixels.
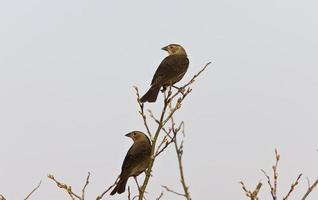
[
  {"x": 120, "y": 187},
  {"x": 151, "y": 95}
]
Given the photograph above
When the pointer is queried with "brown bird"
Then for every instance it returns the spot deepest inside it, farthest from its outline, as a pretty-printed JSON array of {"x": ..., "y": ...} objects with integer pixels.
[
  {"x": 170, "y": 71},
  {"x": 136, "y": 161}
]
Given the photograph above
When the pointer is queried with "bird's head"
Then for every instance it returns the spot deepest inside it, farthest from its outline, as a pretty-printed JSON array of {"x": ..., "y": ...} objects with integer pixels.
[
  {"x": 137, "y": 136},
  {"x": 173, "y": 49}
]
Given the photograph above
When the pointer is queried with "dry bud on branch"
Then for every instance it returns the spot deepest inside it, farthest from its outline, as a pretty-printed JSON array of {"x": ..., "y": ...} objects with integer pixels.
[{"x": 68, "y": 188}]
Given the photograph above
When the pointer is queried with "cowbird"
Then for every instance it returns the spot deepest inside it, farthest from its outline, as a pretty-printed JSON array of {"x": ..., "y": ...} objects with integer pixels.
[
  {"x": 170, "y": 71},
  {"x": 136, "y": 161}
]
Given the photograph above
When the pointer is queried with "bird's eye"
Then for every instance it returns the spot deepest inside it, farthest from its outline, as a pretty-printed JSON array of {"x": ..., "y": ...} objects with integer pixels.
[{"x": 135, "y": 134}]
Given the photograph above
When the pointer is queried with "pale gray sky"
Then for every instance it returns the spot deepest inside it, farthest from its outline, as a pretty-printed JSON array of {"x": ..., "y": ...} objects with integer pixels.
[{"x": 66, "y": 100}]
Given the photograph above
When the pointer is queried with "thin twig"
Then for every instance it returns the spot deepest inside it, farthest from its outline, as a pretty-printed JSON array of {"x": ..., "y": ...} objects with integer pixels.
[
  {"x": 172, "y": 139},
  {"x": 128, "y": 193},
  {"x": 308, "y": 182},
  {"x": 292, "y": 187},
  {"x": 269, "y": 183},
  {"x": 142, "y": 113},
  {"x": 109, "y": 188},
  {"x": 172, "y": 191},
  {"x": 152, "y": 116},
  {"x": 310, "y": 189},
  {"x": 37, "y": 187},
  {"x": 159, "y": 151},
  {"x": 86, "y": 183},
  {"x": 66, "y": 187},
  {"x": 179, "y": 152},
  {"x": 250, "y": 194},
  {"x": 273, "y": 186},
  {"x": 177, "y": 105},
  {"x": 275, "y": 173},
  {"x": 164, "y": 141},
  {"x": 159, "y": 197}
]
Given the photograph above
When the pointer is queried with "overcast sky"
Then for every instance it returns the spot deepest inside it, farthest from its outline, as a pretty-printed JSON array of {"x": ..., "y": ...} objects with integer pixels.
[{"x": 66, "y": 99}]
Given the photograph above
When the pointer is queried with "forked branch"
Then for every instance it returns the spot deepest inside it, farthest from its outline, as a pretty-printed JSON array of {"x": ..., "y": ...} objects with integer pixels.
[
  {"x": 310, "y": 189},
  {"x": 252, "y": 194},
  {"x": 272, "y": 182},
  {"x": 68, "y": 188}
]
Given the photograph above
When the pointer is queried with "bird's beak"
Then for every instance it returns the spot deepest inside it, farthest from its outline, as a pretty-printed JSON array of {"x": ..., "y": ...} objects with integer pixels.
[
  {"x": 127, "y": 135},
  {"x": 165, "y": 48}
]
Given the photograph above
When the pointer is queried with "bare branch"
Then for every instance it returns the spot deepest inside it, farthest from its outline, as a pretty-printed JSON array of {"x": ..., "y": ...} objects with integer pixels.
[
  {"x": 66, "y": 187},
  {"x": 153, "y": 117},
  {"x": 269, "y": 183},
  {"x": 308, "y": 182},
  {"x": 159, "y": 197},
  {"x": 273, "y": 183},
  {"x": 164, "y": 141},
  {"x": 86, "y": 183},
  {"x": 292, "y": 187},
  {"x": 109, "y": 188},
  {"x": 275, "y": 173},
  {"x": 250, "y": 194},
  {"x": 167, "y": 143},
  {"x": 142, "y": 113},
  {"x": 310, "y": 189},
  {"x": 172, "y": 191},
  {"x": 273, "y": 186},
  {"x": 37, "y": 187},
  {"x": 179, "y": 152},
  {"x": 128, "y": 193}
]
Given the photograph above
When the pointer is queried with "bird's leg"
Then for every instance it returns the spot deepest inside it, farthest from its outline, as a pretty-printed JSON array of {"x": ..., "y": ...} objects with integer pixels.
[
  {"x": 180, "y": 89},
  {"x": 137, "y": 183},
  {"x": 175, "y": 87}
]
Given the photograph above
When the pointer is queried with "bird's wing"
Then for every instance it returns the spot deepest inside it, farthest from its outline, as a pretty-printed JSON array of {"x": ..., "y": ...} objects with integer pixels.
[
  {"x": 169, "y": 68},
  {"x": 135, "y": 155}
]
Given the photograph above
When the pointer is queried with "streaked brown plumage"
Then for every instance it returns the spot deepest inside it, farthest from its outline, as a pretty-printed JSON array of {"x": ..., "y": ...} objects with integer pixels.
[
  {"x": 170, "y": 71},
  {"x": 136, "y": 160}
]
